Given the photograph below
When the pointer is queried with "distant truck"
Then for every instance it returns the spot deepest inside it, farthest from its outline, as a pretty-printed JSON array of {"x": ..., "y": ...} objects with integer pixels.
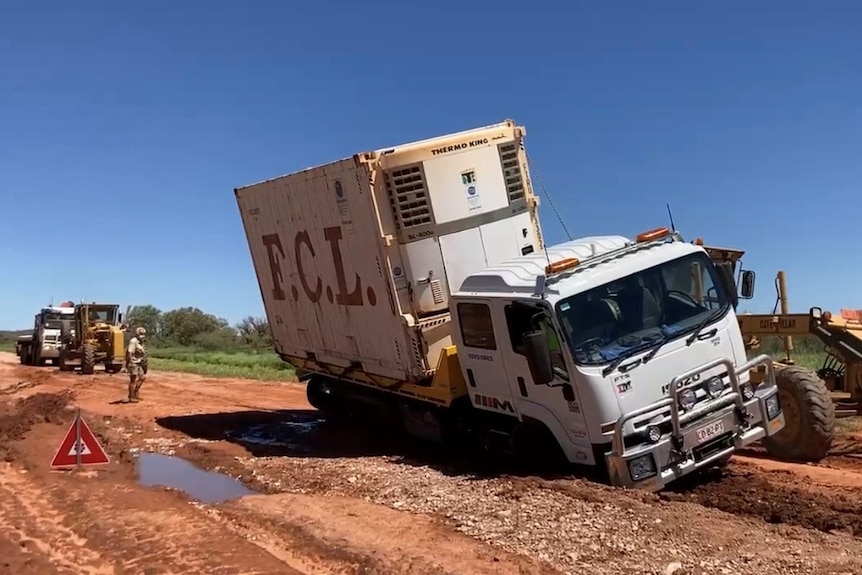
[
  {"x": 411, "y": 284},
  {"x": 43, "y": 344}
]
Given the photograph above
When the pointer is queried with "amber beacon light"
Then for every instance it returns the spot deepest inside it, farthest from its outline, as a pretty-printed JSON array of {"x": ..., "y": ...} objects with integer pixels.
[
  {"x": 561, "y": 266},
  {"x": 651, "y": 235}
]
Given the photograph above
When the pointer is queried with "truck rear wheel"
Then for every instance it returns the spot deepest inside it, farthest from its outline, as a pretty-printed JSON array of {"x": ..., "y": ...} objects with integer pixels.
[
  {"x": 809, "y": 416},
  {"x": 88, "y": 360},
  {"x": 318, "y": 391}
]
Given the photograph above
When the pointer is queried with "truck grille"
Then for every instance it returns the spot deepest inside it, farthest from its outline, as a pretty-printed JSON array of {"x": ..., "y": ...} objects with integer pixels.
[
  {"x": 720, "y": 443},
  {"x": 408, "y": 196}
]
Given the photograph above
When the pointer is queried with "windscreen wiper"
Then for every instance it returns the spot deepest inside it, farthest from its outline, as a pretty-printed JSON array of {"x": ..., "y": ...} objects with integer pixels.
[
  {"x": 706, "y": 321},
  {"x": 615, "y": 363},
  {"x": 659, "y": 344}
]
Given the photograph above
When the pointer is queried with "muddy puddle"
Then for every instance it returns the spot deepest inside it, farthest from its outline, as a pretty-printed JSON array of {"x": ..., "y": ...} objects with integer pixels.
[
  {"x": 296, "y": 433},
  {"x": 157, "y": 470}
]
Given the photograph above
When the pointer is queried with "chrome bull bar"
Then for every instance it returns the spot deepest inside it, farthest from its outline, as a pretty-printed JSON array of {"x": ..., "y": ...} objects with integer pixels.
[{"x": 711, "y": 406}]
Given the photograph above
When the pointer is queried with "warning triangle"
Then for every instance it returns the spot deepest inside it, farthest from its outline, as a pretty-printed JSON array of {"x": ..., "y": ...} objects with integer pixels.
[{"x": 88, "y": 446}]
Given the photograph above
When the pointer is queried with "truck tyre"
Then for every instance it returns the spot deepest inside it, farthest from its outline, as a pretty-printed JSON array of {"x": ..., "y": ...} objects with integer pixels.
[
  {"x": 809, "y": 416},
  {"x": 61, "y": 363},
  {"x": 88, "y": 360},
  {"x": 318, "y": 396},
  {"x": 535, "y": 447}
]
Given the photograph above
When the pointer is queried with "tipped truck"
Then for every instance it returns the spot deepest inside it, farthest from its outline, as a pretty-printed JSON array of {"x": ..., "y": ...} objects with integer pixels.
[{"x": 413, "y": 286}]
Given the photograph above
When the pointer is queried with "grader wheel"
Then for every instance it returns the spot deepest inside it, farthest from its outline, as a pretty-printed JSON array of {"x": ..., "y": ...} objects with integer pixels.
[
  {"x": 809, "y": 416},
  {"x": 88, "y": 360}
]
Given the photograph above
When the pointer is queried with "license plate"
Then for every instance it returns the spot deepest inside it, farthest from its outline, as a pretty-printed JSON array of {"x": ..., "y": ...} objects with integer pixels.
[{"x": 709, "y": 431}]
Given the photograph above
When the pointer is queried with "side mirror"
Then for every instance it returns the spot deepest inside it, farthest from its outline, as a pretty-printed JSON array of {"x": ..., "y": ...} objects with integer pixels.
[
  {"x": 538, "y": 357},
  {"x": 746, "y": 284},
  {"x": 725, "y": 272}
]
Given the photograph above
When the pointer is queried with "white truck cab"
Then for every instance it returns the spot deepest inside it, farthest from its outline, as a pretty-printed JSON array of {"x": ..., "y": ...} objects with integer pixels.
[
  {"x": 629, "y": 353},
  {"x": 43, "y": 343}
]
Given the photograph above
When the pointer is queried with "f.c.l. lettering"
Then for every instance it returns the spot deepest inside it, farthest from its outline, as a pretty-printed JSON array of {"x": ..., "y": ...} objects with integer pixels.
[
  {"x": 272, "y": 242},
  {"x": 305, "y": 258},
  {"x": 333, "y": 236}
]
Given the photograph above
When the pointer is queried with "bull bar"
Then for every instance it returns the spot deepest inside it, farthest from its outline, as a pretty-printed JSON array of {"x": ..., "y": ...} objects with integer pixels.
[{"x": 739, "y": 421}]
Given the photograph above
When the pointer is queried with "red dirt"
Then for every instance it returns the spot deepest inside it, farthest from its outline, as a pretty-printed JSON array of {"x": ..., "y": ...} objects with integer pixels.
[{"x": 102, "y": 521}]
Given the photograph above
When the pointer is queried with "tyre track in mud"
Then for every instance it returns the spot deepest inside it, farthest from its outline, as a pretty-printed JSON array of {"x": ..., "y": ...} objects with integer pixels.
[
  {"x": 826, "y": 502},
  {"x": 824, "y": 496},
  {"x": 104, "y": 522},
  {"x": 331, "y": 461}
]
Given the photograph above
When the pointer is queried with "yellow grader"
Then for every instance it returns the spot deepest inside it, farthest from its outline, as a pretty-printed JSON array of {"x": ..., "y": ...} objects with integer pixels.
[
  {"x": 96, "y": 337},
  {"x": 812, "y": 399}
]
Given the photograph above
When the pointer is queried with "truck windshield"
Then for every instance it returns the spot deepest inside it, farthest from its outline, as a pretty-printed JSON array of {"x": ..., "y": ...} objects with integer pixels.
[
  {"x": 54, "y": 320},
  {"x": 633, "y": 313}
]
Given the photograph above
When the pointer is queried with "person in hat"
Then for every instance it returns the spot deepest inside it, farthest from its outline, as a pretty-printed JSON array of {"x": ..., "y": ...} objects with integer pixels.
[{"x": 136, "y": 364}]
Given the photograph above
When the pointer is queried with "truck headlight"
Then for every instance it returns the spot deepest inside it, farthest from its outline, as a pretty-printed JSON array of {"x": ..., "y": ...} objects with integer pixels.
[
  {"x": 642, "y": 467},
  {"x": 747, "y": 391},
  {"x": 687, "y": 399},
  {"x": 773, "y": 406},
  {"x": 653, "y": 433},
  {"x": 714, "y": 387}
]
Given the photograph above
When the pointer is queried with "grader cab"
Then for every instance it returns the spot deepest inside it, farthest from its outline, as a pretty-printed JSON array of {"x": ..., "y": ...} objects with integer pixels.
[
  {"x": 811, "y": 399},
  {"x": 95, "y": 336}
]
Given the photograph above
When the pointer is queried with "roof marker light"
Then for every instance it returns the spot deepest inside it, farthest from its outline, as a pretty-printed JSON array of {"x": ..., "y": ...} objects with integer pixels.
[
  {"x": 651, "y": 235},
  {"x": 561, "y": 266}
]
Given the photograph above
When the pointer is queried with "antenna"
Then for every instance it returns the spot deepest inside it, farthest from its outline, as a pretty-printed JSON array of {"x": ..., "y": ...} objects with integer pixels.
[{"x": 670, "y": 215}]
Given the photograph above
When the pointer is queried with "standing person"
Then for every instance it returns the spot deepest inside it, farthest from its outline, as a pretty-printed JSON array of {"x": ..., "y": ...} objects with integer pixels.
[{"x": 136, "y": 364}]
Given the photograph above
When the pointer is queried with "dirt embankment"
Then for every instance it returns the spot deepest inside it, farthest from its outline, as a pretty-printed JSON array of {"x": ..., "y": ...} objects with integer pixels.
[{"x": 341, "y": 501}]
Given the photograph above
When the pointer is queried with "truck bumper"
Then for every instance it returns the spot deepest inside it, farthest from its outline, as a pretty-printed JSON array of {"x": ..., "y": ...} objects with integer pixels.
[
  {"x": 708, "y": 433},
  {"x": 49, "y": 353}
]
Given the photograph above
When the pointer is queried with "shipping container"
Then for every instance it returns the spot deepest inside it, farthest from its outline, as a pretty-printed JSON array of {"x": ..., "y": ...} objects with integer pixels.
[{"x": 356, "y": 258}]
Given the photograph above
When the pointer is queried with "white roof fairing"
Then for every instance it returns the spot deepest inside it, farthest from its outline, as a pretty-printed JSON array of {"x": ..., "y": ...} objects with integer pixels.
[{"x": 518, "y": 275}]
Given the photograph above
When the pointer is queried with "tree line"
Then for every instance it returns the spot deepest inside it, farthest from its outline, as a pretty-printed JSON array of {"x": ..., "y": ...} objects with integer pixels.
[{"x": 192, "y": 327}]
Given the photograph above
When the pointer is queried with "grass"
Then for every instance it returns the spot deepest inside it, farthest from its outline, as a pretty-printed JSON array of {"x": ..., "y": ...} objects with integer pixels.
[
  {"x": 263, "y": 366},
  {"x": 245, "y": 364},
  {"x": 266, "y": 366}
]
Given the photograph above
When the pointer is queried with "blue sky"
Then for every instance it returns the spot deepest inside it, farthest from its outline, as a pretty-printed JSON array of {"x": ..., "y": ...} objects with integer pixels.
[{"x": 124, "y": 128}]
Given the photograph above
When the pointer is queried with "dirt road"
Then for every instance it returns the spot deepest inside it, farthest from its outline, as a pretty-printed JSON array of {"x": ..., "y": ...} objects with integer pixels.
[{"x": 343, "y": 501}]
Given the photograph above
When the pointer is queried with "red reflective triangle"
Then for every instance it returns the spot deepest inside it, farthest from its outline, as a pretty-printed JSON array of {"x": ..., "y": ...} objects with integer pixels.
[{"x": 91, "y": 450}]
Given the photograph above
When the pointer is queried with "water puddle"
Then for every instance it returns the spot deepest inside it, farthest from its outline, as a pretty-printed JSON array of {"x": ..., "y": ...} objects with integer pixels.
[
  {"x": 155, "y": 469},
  {"x": 295, "y": 433}
]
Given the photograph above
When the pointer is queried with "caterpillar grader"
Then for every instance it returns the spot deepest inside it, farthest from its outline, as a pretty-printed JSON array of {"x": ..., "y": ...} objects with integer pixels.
[
  {"x": 812, "y": 400},
  {"x": 96, "y": 336}
]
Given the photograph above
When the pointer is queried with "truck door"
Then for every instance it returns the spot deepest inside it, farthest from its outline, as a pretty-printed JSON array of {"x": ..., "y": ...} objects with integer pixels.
[
  {"x": 536, "y": 399},
  {"x": 481, "y": 358}
]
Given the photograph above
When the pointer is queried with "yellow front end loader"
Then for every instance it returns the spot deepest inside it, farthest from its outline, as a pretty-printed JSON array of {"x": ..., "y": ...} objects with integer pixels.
[
  {"x": 95, "y": 336},
  {"x": 812, "y": 400}
]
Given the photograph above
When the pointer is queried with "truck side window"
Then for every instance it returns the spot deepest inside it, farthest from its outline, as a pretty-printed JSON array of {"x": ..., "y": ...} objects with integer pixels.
[
  {"x": 518, "y": 320},
  {"x": 555, "y": 345},
  {"x": 477, "y": 328}
]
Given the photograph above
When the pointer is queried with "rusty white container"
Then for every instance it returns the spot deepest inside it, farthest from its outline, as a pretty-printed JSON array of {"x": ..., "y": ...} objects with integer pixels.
[{"x": 356, "y": 259}]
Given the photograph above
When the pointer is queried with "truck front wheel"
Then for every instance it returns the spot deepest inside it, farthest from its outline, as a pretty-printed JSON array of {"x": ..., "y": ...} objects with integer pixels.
[{"x": 809, "y": 417}]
